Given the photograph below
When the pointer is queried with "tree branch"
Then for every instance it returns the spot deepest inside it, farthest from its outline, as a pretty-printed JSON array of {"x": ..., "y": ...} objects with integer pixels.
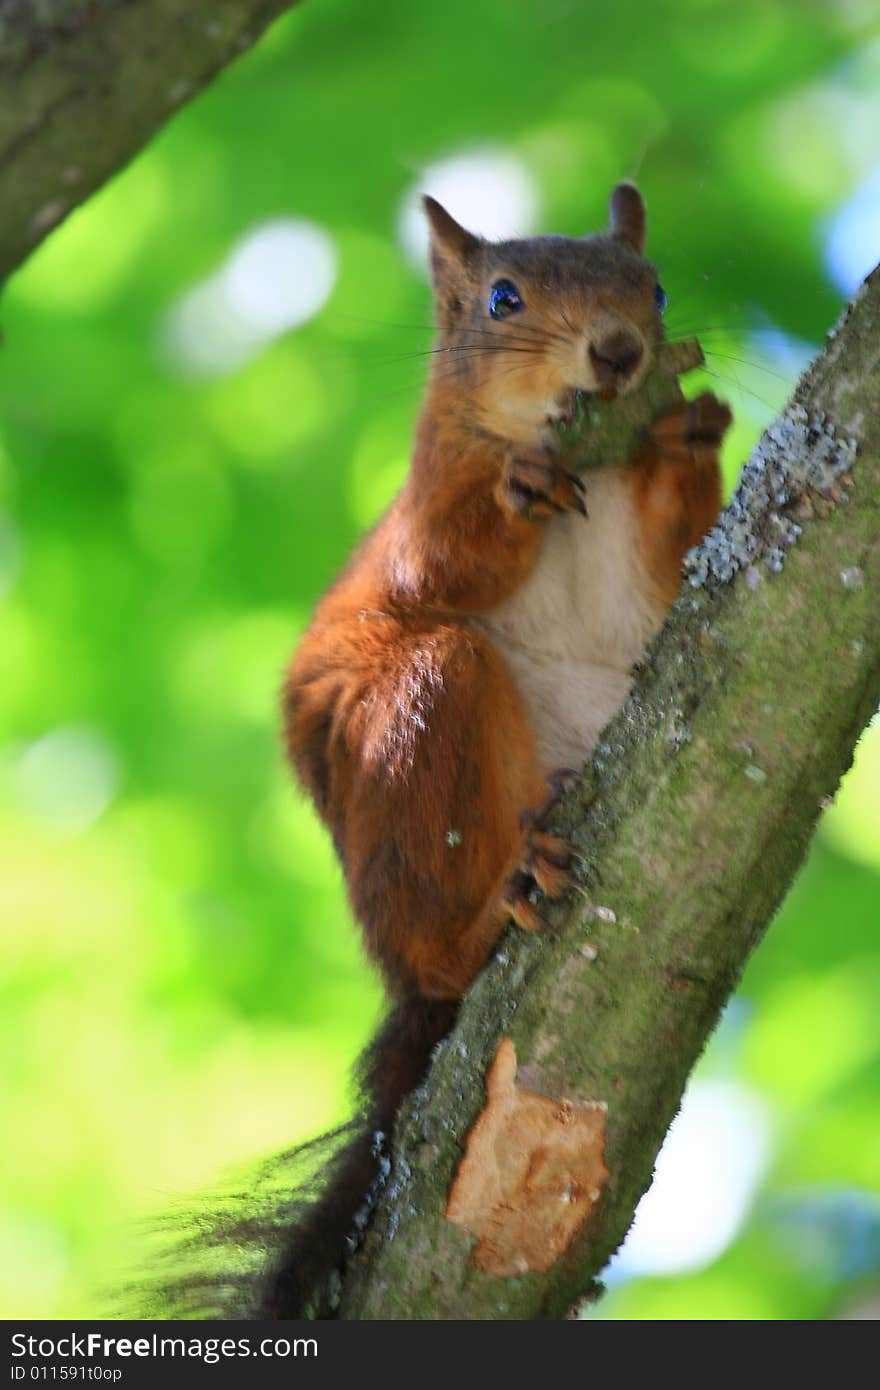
[
  {"x": 84, "y": 84},
  {"x": 691, "y": 822}
]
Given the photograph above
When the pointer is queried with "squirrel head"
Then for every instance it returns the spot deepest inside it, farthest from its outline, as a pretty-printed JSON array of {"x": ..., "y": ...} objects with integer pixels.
[{"x": 523, "y": 325}]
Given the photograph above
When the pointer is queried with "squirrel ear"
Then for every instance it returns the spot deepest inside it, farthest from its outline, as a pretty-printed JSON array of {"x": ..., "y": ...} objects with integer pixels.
[
  {"x": 452, "y": 248},
  {"x": 446, "y": 234},
  {"x": 628, "y": 215}
]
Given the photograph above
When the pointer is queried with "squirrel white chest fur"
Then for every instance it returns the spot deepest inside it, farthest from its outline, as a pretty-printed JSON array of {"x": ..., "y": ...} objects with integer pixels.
[{"x": 572, "y": 631}]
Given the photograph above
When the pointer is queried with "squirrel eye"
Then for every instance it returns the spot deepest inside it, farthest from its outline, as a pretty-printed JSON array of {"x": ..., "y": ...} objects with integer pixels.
[
  {"x": 660, "y": 298},
  {"x": 504, "y": 299}
]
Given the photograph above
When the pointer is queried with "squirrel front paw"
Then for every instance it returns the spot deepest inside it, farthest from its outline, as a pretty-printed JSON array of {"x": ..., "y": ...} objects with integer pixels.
[
  {"x": 536, "y": 486},
  {"x": 692, "y": 427}
]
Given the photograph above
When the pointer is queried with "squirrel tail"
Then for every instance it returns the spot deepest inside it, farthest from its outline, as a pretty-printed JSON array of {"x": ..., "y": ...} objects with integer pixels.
[
  {"x": 299, "y": 1282},
  {"x": 270, "y": 1247}
]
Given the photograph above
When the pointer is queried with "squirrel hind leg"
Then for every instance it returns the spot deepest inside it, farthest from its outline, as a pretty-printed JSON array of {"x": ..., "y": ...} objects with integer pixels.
[
  {"x": 442, "y": 759},
  {"x": 546, "y": 858}
]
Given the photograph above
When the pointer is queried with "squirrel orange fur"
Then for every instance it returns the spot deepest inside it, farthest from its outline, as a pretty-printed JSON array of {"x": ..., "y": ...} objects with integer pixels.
[{"x": 481, "y": 637}]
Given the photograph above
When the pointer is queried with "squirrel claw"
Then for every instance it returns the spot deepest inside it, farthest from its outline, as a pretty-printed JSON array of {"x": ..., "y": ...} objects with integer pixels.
[
  {"x": 546, "y": 863},
  {"x": 537, "y": 486},
  {"x": 545, "y": 869},
  {"x": 517, "y": 903},
  {"x": 561, "y": 781}
]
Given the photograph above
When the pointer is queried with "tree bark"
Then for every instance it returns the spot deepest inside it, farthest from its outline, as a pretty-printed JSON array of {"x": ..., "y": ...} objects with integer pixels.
[
  {"x": 84, "y": 84},
  {"x": 690, "y": 824}
]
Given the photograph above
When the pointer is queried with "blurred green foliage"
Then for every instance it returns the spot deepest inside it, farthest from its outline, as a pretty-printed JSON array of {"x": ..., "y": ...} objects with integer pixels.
[{"x": 183, "y": 988}]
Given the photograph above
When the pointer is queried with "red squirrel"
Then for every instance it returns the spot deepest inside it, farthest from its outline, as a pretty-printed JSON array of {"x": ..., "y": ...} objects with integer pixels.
[{"x": 481, "y": 637}]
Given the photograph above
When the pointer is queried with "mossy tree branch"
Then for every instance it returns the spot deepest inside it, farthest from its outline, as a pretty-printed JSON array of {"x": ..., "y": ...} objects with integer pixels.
[
  {"x": 691, "y": 822},
  {"x": 84, "y": 84}
]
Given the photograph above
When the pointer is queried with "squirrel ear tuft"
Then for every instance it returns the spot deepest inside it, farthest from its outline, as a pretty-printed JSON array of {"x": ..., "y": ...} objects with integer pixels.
[
  {"x": 452, "y": 249},
  {"x": 446, "y": 234},
  {"x": 628, "y": 215}
]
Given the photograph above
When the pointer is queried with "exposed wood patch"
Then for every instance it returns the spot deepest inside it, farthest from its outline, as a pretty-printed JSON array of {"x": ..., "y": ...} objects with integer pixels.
[{"x": 532, "y": 1171}]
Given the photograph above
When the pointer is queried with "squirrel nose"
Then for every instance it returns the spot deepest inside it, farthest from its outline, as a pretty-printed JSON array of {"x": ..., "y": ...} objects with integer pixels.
[{"x": 615, "y": 358}]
